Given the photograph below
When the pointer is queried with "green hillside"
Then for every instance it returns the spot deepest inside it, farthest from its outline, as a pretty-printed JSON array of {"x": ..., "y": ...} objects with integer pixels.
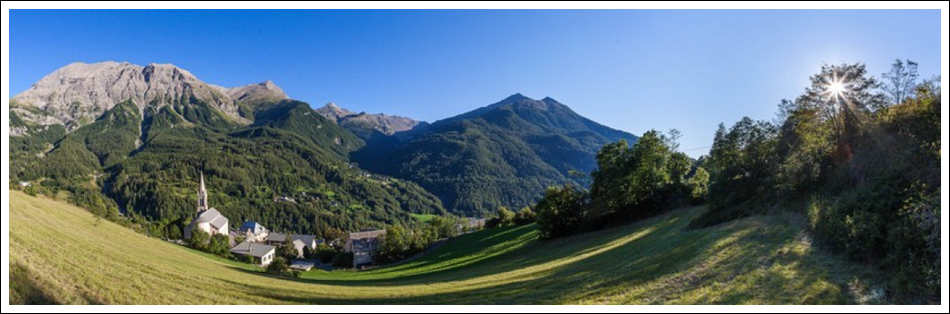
[
  {"x": 505, "y": 154},
  {"x": 147, "y": 165},
  {"x": 62, "y": 254}
]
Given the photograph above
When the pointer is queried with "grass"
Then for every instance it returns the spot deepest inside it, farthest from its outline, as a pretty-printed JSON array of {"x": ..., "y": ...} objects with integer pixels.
[
  {"x": 61, "y": 254},
  {"x": 422, "y": 217}
]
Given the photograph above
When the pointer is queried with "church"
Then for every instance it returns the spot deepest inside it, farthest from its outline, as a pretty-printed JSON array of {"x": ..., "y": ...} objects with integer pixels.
[{"x": 208, "y": 219}]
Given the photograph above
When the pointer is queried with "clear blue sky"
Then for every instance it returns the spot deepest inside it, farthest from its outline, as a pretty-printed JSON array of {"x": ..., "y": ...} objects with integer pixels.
[{"x": 631, "y": 70}]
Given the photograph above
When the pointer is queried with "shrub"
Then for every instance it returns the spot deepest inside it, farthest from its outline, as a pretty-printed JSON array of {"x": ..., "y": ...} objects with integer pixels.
[
  {"x": 561, "y": 211},
  {"x": 343, "y": 260}
]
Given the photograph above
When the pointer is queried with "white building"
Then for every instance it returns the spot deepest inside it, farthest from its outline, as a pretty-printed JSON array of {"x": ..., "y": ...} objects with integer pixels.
[
  {"x": 208, "y": 219},
  {"x": 263, "y": 254},
  {"x": 253, "y": 231}
]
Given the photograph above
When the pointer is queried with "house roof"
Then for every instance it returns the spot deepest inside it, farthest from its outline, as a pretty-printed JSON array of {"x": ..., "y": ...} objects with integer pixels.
[
  {"x": 307, "y": 239},
  {"x": 253, "y": 227},
  {"x": 252, "y": 249},
  {"x": 366, "y": 234},
  {"x": 212, "y": 216},
  {"x": 301, "y": 265},
  {"x": 276, "y": 237}
]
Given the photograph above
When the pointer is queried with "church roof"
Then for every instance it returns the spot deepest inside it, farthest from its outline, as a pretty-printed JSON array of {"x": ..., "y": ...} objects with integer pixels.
[{"x": 213, "y": 217}]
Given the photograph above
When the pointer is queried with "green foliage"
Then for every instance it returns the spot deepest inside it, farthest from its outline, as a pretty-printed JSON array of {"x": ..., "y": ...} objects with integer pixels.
[
  {"x": 199, "y": 240},
  {"x": 505, "y": 154},
  {"x": 334, "y": 237},
  {"x": 442, "y": 227},
  {"x": 741, "y": 171},
  {"x": 220, "y": 245},
  {"x": 561, "y": 211},
  {"x": 343, "y": 260},
  {"x": 698, "y": 186},
  {"x": 868, "y": 173},
  {"x": 525, "y": 216},
  {"x": 279, "y": 266},
  {"x": 288, "y": 151},
  {"x": 287, "y": 249},
  {"x": 309, "y": 253},
  {"x": 505, "y": 216},
  {"x": 326, "y": 253}
]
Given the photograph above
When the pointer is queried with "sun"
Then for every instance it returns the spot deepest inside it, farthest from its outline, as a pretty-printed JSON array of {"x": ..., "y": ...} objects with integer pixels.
[{"x": 836, "y": 88}]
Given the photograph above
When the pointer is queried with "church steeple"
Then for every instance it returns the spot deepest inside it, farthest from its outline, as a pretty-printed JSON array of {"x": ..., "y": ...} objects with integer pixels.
[{"x": 202, "y": 195}]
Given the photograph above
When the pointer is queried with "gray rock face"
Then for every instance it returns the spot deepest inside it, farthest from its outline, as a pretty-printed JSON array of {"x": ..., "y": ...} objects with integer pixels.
[
  {"x": 256, "y": 93},
  {"x": 78, "y": 93},
  {"x": 385, "y": 124}
]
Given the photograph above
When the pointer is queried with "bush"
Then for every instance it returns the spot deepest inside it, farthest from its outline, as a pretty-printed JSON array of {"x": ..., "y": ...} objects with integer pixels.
[
  {"x": 561, "y": 211},
  {"x": 280, "y": 267},
  {"x": 326, "y": 253},
  {"x": 343, "y": 260},
  {"x": 525, "y": 216}
]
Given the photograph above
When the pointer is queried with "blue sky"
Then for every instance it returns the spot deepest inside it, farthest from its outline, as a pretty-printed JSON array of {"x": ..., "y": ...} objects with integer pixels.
[{"x": 632, "y": 70}]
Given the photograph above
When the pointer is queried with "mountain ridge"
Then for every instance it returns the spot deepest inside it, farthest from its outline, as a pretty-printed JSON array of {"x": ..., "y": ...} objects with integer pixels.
[{"x": 78, "y": 93}]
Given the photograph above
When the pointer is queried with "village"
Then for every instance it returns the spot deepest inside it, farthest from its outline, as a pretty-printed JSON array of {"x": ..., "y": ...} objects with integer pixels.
[{"x": 256, "y": 244}]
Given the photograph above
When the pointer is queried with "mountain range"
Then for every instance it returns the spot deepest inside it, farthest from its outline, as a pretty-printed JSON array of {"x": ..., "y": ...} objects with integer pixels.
[{"x": 139, "y": 136}]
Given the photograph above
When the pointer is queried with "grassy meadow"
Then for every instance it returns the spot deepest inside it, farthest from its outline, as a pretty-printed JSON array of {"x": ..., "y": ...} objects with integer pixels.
[{"x": 61, "y": 254}]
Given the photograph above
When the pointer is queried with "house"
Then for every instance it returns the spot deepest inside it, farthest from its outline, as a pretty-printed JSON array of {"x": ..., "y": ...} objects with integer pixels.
[
  {"x": 262, "y": 254},
  {"x": 363, "y": 245},
  {"x": 275, "y": 238},
  {"x": 299, "y": 240},
  {"x": 308, "y": 240},
  {"x": 207, "y": 219},
  {"x": 253, "y": 231},
  {"x": 298, "y": 246}
]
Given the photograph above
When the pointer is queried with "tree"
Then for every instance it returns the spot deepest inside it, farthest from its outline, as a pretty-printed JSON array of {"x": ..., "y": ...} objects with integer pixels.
[
  {"x": 648, "y": 172},
  {"x": 287, "y": 249},
  {"x": 673, "y": 139},
  {"x": 278, "y": 266},
  {"x": 901, "y": 81},
  {"x": 219, "y": 245},
  {"x": 525, "y": 216},
  {"x": 343, "y": 260},
  {"x": 393, "y": 245},
  {"x": 679, "y": 166},
  {"x": 699, "y": 186},
  {"x": 842, "y": 95},
  {"x": 309, "y": 253},
  {"x": 174, "y": 232},
  {"x": 610, "y": 185},
  {"x": 199, "y": 239},
  {"x": 442, "y": 227},
  {"x": 326, "y": 253},
  {"x": 505, "y": 216},
  {"x": 561, "y": 211},
  {"x": 335, "y": 237}
]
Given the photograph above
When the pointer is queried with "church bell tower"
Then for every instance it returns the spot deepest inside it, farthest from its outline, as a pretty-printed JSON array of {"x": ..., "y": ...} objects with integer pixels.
[{"x": 202, "y": 195}]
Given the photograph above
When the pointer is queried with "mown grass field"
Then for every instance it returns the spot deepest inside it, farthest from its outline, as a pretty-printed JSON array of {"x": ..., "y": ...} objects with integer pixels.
[{"x": 61, "y": 254}]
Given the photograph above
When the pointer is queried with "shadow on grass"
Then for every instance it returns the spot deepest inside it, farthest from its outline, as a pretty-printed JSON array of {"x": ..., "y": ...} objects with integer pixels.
[
  {"x": 672, "y": 260},
  {"x": 24, "y": 290}
]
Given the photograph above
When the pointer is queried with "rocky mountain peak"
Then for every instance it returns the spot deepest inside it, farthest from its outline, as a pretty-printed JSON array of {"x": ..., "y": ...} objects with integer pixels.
[
  {"x": 386, "y": 124},
  {"x": 256, "y": 93},
  {"x": 79, "y": 92}
]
